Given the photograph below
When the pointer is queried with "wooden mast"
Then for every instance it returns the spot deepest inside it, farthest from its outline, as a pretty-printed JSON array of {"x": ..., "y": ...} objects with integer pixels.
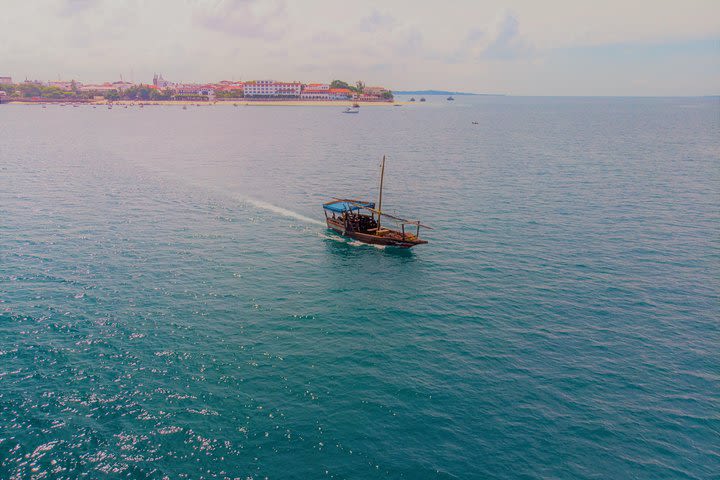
[{"x": 382, "y": 174}]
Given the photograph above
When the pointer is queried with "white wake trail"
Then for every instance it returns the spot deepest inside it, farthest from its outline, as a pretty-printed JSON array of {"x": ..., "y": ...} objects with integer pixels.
[{"x": 282, "y": 211}]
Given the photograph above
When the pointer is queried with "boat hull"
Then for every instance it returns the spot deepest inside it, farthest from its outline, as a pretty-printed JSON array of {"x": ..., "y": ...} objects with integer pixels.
[{"x": 391, "y": 239}]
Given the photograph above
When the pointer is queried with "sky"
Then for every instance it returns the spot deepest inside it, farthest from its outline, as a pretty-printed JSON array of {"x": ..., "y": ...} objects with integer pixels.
[{"x": 523, "y": 47}]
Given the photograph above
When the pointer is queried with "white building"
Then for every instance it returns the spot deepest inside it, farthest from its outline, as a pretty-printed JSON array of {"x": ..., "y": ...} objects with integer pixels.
[
  {"x": 272, "y": 89},
  {"x": 316, "y": 91},
  {"x": 5, "y": 80},
  {"x": 103, "y": 87},
  {"x": 193, "y": 89}
]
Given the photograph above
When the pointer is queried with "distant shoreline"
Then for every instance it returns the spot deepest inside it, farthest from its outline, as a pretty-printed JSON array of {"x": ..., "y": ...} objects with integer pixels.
[
  {"x": 444, "y": 92},
  {"x": 238, "y": 103}
]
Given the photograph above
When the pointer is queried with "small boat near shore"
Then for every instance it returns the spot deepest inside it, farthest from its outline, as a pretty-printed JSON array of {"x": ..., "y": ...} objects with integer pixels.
[
  {"x": 352, "y": 109},
  {"x": 450, "y": 99},
  {"x": 361, "y": 221}
]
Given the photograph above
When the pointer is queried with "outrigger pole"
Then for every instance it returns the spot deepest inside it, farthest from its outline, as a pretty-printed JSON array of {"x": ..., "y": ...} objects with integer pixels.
[{"x": 382, "y": 174}]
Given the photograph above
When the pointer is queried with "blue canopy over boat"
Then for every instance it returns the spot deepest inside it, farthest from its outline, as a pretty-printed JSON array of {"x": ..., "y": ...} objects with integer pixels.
[{"x": 343, "y": 206}]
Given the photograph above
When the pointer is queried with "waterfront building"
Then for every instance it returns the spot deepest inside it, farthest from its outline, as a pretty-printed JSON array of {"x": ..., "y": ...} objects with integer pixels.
[
  {"x": 101, "y": 87},
  {"x": 363, "y": 97},
  {"x": 193, "y": 89},
  {"x": 272, "y": 89},
  {"x": 228, "y": 86},
  {"x": 375, "y": 91},
  {"x": 229, "y": 83},
  {"x": 315, "y": 91},
  {"x": 104, "y": 87},
  {"x": 340, "y": 93},
  {"x": 5, "y": 80},
  {"x": 317, "y": 86}
]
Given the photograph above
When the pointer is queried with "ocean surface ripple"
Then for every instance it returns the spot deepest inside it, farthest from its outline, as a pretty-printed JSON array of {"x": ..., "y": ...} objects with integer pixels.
[{"x": 171, "y": 305}]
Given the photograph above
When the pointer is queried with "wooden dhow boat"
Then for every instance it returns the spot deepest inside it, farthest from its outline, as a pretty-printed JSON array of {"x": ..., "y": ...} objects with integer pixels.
[{"x": 361, "y": 221}]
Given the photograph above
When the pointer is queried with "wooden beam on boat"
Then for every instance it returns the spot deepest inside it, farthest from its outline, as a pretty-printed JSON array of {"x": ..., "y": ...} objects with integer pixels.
[{"x": 361, "y": 205}]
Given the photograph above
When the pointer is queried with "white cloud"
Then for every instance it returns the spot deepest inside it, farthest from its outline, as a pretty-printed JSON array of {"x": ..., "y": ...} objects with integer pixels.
[
  {"x": 505, "y": 39},
  {"x": 243, "y": 18}
]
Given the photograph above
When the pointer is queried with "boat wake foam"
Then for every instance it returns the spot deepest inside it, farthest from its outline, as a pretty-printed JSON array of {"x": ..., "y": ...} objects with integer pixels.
[
  {"x": 297, "y": 216},
  {"x": 355, "y": 243},
  {"x": 352, "y": 243},
  {"x": 281, "y": 211},
  {"x": 333, "y": 238}
]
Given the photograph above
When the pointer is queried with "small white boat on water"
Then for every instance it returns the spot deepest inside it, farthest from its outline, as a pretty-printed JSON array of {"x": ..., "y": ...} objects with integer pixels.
[{"x": 352, "y": 110}]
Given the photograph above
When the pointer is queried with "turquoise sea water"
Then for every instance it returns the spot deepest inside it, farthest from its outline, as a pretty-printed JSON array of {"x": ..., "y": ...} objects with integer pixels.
[{"x": 172, "y": 306}]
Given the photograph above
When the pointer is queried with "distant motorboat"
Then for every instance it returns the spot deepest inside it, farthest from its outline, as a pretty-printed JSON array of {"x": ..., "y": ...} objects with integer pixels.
[
  {"x": 450, "y": 99},
  {"x": 474, "y": 123},
  {"x": 412, "y": 99},
  {"x": 422, "y": 99},
  {"x": 184, "y": 107},
  {"x": 352, "y": 110}
]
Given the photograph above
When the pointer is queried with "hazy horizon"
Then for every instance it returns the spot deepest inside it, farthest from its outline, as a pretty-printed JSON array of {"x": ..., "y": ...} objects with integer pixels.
[{"x": 516, "y": 48}]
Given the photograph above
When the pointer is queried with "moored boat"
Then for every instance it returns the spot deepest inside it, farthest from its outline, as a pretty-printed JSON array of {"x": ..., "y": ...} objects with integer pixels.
[{"x": 361, "y": 221}]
